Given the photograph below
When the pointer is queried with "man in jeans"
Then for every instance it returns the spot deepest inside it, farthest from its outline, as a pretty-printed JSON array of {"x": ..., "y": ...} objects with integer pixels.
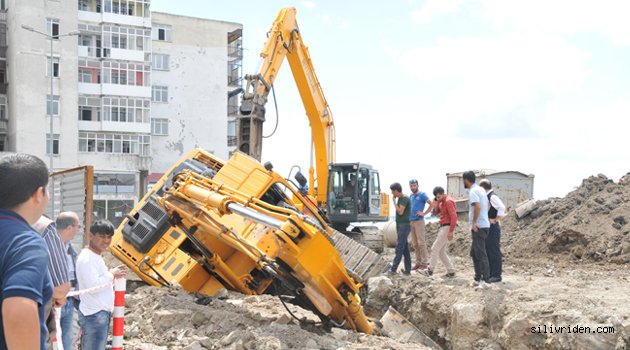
[
  {"x": 479, "y": 227},
  {"x": 68, "y": 225},
  {"x": 447, "y": 212},
  {"x": 96, "y": 306},
  {"x": 403, "y": 208},
  {"x": 493, "y": 243},
  {"x": 419, "y": 200}
]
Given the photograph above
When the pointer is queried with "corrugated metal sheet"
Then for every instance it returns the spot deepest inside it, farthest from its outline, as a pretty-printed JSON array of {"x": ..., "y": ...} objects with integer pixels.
[
  {"x": 71, "y": 190},
  {"x": 512, "y": 187}
]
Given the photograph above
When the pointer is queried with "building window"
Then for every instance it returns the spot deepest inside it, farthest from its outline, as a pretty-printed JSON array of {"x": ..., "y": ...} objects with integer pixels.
[
  {"x": 84, "y": 5},
  {"x": 129, "y": 38},
  {"x": 161, "y": 32},
  {"x": 159, "y": 94},
  {"x": 52, "y": 105},
  {"x": 232, "y": 106},
  {"x": 114, "y": 183},
  {"x": 89, "y": 108},
  {"x": 115, "y": 143},
  {"x": 159, "y": 126},
  {"x": 3, "y": 143},
  {"x": 55, "y": 67},
  {"x": 52, "y": 26},
  {"x": 231, "y": 133},
  {"x": 160, "y": 62},
  {"x": 55, "y": 143},
  {"x": 124, "y": 73},
  {"x": 123, "y": 109}
]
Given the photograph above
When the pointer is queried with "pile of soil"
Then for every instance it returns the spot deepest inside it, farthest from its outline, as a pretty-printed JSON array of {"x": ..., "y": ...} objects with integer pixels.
[
  {"x": 163, "y": 318},
  {"x": 592, "y": 223}
]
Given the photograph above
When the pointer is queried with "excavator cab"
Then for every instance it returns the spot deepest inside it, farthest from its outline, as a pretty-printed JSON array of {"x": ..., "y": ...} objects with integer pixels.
[{"x": 354, "y": 194}]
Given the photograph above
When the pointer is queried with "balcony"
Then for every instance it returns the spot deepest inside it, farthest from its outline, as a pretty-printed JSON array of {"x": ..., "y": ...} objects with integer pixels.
[
  {"x": 4, "y": 126},
  {"x": 109, "y": 126}
]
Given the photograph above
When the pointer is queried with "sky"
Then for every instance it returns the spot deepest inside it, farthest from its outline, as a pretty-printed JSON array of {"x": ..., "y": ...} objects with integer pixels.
[{"x": 419, "y": 89}]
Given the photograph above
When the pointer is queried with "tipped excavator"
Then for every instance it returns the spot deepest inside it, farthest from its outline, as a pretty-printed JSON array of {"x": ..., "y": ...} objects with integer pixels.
[{"x": 209, "y": 224}]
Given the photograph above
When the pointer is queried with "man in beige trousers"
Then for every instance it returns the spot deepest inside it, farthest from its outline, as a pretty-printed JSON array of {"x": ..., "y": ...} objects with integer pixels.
[
  {"x": 446, "y": 209},
  {"x": 419, "y": 200}
]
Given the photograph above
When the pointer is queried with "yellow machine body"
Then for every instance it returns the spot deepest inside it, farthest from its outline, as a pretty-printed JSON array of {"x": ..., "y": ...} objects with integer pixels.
[{"x": 208, "y": 224}]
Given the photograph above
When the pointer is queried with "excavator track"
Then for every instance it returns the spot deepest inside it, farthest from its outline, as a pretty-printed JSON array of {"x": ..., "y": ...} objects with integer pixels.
[{"x": 358, "y": 259}]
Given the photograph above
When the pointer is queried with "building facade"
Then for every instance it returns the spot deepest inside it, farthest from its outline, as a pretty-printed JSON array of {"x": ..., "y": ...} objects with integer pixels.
[
  {"x": 116, "y": 104},
  {"x": 193, "y": 78}
]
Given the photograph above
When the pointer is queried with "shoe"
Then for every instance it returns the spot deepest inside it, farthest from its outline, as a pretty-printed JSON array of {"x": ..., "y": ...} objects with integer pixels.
[
  {"x": 423, "y": 266},
  {"x": 389, "y": 273},
  {"x": 494, "y": 279},
  {"x": 450, "y": 274},
  {"x": 428, "y": 272},
  {"x": 483, "y": 285},
  {"x": 406, "y": 273},
  {"x": 415, "y": 267}
]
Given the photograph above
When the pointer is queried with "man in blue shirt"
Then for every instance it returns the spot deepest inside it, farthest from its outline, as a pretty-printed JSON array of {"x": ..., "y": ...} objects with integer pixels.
[
  {"x": 419, "y": 200},
  {"x": 479, "y": 227},
  {"x": 24, "y": 277}
]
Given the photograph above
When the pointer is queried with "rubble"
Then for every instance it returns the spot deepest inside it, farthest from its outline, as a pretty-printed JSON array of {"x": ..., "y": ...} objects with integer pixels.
[{"x": 565, "y": 264}]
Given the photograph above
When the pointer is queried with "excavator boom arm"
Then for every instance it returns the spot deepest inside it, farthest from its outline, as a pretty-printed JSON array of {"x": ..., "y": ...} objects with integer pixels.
[{"x": 285, "y": 41}]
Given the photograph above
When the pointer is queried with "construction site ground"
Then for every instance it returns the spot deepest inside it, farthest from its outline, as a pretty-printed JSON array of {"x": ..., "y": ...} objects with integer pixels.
[{"x": 567, "y": 264}]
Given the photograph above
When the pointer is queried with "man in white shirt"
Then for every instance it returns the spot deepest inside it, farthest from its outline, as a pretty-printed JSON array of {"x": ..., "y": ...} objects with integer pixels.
[
  {"x": 479, "y": 227},
  {"x": 496, "y": 211},
  {"x": 96, "y": 306}
]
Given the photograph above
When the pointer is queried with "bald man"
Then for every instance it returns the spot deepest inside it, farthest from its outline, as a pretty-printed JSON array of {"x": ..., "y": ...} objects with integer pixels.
[{"x": 68, "y": 225}]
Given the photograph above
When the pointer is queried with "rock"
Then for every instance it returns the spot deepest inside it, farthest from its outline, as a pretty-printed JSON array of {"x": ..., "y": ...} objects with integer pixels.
[
  {"x": 251, "y": 299},
  {"x": 169, "y": 319},
  {"x": 266, "y": 343},
  {"x": 194, "y": 346},
  {"x": 311, "y": 344},
  {"x": 379, "y": 291},
  {"x": 199, "y": 319},
  {"x": 284, "y": 319},
  {"x": 221, "y": 294}
]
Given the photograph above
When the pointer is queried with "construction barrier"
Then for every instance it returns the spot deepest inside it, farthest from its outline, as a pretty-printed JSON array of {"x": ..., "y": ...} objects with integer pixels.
[
  {"x": 56, "y": 341},
  {"x": 120, "y": 285}
]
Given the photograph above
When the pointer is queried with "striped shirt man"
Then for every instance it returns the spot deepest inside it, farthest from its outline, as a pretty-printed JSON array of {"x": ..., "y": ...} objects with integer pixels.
[{"x": 57, "y": 263}]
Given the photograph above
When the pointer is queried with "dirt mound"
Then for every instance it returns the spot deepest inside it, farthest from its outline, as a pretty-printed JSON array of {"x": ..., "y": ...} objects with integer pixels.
[
  {"x": 591, "y": 222},
  {"x": 163, "y": 318}
]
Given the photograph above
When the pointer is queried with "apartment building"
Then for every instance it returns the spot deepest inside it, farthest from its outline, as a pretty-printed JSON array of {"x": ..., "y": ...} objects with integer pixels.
[
  {"x": 110, "y": 108},
  {"x": 192, "y": 93}
]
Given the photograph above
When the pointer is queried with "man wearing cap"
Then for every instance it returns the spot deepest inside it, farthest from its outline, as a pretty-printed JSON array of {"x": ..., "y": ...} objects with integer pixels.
[{"x": 419, "y": 200}]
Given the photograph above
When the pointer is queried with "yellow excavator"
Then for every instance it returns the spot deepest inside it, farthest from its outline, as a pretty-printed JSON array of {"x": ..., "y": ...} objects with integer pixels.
[
  {"x": 347, "y": 193},
  {"x": 209, "y": 224}
]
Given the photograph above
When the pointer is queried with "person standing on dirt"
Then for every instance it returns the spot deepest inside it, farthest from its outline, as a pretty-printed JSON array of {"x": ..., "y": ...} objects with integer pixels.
[
  {"x": 96, "y": 305},
  {"x": 447, "y": 212},
  {"x": 419, "y": 200},
  {"x": 496, "y": 212},
  {"x": 403, "y": 209},
  {"x": 479, "y": 226},
  {"x": 24, "y": 277},
  {"x": 68, "y": 225}
]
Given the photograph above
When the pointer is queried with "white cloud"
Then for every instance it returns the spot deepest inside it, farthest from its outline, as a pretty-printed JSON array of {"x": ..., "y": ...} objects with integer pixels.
[
  {"x": 308, "y": 4},
  {"x": 608, "y": 17},
  {"x": 497, "y": 74},
  {"x": 431, "y": 8}
]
